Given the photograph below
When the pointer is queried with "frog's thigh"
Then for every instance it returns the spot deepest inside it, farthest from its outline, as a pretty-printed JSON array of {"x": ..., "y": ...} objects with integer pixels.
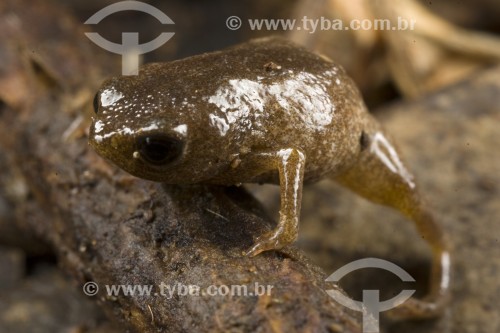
[
  {"x": 372, "y": 179},
  {"x": 290, "y": 164}
]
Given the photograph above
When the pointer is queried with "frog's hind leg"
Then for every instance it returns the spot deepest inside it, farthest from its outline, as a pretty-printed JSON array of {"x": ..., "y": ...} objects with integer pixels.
[
  {"x": 380, "y": 176},
  {"x": 290, "y": 164}
]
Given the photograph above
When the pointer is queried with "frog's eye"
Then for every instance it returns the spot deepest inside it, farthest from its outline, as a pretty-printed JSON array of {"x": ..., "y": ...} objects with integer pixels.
[
  {"x": 159, "y": 149},
  {"x": 96, "y": 103}
]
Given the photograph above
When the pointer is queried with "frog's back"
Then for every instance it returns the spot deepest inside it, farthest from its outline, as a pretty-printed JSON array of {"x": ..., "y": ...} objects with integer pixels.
[{"x": 265, "y": 94}]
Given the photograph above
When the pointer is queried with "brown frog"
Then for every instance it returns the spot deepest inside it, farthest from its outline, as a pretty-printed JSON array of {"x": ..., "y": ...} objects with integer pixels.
[{"x": 266, "y": 111}]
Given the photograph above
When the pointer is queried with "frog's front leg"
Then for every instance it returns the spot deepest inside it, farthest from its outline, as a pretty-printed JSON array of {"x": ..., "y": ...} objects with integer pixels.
[
  {"x": 380, "y": 176},
  {"x": 290, "y": 164}
]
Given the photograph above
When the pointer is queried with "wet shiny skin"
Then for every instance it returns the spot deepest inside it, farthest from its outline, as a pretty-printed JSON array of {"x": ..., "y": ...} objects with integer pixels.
[{"x": 263, "y": 111}]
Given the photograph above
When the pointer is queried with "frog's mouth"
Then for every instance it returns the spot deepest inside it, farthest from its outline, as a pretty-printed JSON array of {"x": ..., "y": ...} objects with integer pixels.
[{"x": 115, "y": 146}]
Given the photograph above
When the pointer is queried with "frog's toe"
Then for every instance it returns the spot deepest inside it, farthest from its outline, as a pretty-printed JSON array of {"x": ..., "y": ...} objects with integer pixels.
[
  {"x": 263, "y": 244},
  {"x": 273, "y": 240}
]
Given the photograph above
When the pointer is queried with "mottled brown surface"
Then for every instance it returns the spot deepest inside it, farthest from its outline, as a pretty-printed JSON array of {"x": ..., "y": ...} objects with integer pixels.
[{"x": 110, "y": 228}]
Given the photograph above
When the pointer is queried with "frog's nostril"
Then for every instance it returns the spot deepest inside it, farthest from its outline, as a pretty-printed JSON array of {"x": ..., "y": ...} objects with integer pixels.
[
  {"x": 96, "y": 103},
  {"x": 159, "y": 149},
  {"x": 364, "y": 140}
]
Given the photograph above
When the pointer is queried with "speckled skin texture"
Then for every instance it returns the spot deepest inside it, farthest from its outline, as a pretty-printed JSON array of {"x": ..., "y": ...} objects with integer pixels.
[
  {"x": 252, "y": 98},
  {"x": 263, "y": 111}
]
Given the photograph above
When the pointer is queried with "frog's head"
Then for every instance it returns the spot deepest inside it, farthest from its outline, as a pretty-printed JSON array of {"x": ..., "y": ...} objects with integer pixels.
[{"x": 143, "y": 132}]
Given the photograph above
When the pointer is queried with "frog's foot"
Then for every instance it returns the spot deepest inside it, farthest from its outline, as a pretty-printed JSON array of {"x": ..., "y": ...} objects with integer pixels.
[
  {"x": 434, "y": 304},
  {"x": 419, "y": 308},
  {"x": 273, "y": 240},
  {"x": 290, "y": 163}
]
